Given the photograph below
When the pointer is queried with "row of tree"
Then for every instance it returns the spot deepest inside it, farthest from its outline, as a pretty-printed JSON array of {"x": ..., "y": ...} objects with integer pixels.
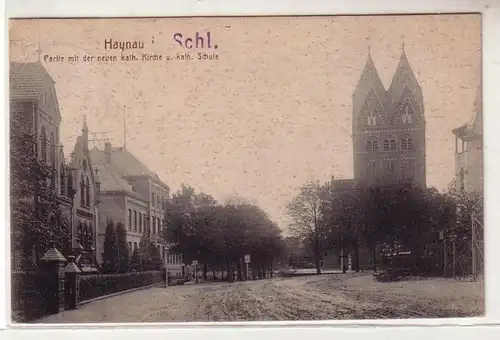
[
  {"x": 117, "y": 257},
  {"x": 385, "y": 218},
  {"x": 220, "y": 235}
]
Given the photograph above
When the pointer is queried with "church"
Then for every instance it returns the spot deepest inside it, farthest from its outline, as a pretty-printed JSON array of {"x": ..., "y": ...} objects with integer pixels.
[
  {"x": 388, "y": 127},
  {"x": 388, "y": 136}
]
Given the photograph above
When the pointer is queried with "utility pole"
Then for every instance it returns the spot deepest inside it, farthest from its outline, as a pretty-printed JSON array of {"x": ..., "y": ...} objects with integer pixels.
[{"x": 473, "y": 247}]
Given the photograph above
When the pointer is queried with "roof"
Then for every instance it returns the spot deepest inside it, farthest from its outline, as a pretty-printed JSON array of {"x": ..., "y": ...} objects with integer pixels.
[
  {"x": 474, "y": 127},
  {"x": 112, "y": 181},
  {"x": 28, "y": 80},
  {"x": 370, "y": 80},
  {"x": 128, "y": 164},
  {"x": 113, "y": 176},
  {"x": 343, "y": 184},
  {"x": 53, "y": 255}
]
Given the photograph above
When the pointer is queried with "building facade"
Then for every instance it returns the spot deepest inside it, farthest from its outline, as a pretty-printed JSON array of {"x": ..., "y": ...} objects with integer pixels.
[
  {"x": 469, "y": 151},
  {"x": 33, "y": 95},
  {"x": 388, "y": 127},
  {"x": 131, "y": 194}
]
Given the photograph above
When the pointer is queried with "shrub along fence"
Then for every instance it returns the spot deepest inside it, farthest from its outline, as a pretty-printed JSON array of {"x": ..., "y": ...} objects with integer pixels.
[{"x": 94, "y": 286}]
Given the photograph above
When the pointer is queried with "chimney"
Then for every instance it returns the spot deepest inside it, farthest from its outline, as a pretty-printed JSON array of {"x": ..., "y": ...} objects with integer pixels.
[{"x": 107, "y": 151}]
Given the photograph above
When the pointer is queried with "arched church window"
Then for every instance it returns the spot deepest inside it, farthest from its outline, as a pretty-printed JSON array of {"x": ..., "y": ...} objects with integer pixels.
[
  {"x": 372, "y": 117},
  {"x": 87, "y": 192},
  {"x": 411, "y": 144},
  {"x": 82, "y": 190},
  {"x": 390, "y": 144},
  {"x": 406, "y": 117},
  {"x": 69, "y": 183},
  {"x": 407, "y": 144},
  {"x": 62, "y": 184},
  {"x": 372, "y": 144},
  {"x": 43, "y": 144}
]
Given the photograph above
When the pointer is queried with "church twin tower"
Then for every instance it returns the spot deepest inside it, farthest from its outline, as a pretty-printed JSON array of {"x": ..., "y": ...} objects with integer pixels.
[{"x": 388, "y": 127}]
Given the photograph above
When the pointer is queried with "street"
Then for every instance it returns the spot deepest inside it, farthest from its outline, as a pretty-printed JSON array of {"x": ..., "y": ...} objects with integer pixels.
[{"x": 326, "y": 297}]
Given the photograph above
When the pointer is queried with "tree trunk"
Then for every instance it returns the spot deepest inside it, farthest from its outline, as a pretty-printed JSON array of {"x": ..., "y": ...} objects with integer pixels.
[
  {"x": 238, "y": 270},
  {"x": 316, "y": 246},
  {"x": 230, "y": 271},
  {"x": 345, "y": 257},
  {"x": 214, "y": 277},
  {"x": 356, "y": 263},
  {"x": 205, "y": 272},
  {"x": 375, "y": 258}
]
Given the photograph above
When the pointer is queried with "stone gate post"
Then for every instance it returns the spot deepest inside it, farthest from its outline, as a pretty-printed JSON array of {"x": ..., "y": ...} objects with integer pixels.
[{"x": 53, "y": 263}]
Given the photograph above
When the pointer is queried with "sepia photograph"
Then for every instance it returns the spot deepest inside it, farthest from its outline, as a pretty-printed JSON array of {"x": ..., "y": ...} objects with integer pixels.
[{"x": 215, "y": 169}]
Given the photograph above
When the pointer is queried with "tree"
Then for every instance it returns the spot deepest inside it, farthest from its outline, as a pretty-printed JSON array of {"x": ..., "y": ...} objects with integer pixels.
[
  {"x": 122, "y": 256},
  {"x": 136, "y": 261},
  {"x": 110, "y": 263},
  {"x": 220, "y": 235},
  {"x": 305, "y": 212}
]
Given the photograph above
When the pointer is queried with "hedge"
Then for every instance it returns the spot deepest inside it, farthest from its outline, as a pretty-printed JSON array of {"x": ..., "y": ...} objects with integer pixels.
[{"x": 93, "y": 286}]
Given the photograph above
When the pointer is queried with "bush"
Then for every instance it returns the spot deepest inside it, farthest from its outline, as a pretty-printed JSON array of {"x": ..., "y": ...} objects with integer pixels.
[{"x": 93, "y": 286}]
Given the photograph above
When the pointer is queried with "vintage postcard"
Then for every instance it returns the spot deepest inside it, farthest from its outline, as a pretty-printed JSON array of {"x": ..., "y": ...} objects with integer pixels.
[{"x": 246, "y": 168}]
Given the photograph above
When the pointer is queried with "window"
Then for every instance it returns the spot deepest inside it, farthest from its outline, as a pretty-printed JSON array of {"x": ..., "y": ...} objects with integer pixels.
[
  {"x": 406, "y": 116},
  {"x": 372, "y": 118},
  {"x": 390, "y": 144},
  {"x": 87, "y": 192},
  {"x": 135, "y": 246},
  {"x": 407, "y": 144},
  {"x": 372, "y": 144},
  {"x": 62, "y": 184},
  {"x": 69, "y": 183},
  {"x": 130, "y": 247},
  {"x": 145, "y": 224},
  {"x": 82, "y": 190},
  {"x": 153, "y": 199},
  {"x": 43, "y": 144},
  {"x": 135, "y": 220},
  {"x": 154, "y": 225},
  {"x": 130, "y": 219},
  {"x": 159, "y": 226},
  {"x": 140, "y": 222}
]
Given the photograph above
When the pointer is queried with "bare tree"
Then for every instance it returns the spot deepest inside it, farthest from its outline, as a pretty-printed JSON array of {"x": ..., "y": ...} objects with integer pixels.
[{"x": 305, "y": 211}]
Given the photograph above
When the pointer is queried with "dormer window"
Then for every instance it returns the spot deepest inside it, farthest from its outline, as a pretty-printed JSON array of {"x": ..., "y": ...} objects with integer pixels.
[{"x": 406, "y": 116}]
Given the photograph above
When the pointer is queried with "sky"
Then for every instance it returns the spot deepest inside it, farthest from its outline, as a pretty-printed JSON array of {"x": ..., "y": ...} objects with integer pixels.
[{"x": 273, "y": 112}]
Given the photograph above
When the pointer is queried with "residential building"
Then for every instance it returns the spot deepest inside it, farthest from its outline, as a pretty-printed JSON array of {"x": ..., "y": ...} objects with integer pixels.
[
  {"x": 33, "y": 95},
  {"x": 131, "y": 194},
  {"x": 469, "y": 151}
]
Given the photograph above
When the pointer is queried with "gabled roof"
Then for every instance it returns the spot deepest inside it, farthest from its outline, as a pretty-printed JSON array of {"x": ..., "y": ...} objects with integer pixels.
[
  {"x": 369, "y": 80},
  {"x": 124, "y": 164},
  {"x": 29, "y": 81},
  {"x": 343, "y": 184},
  {"x": 404, "y": 77}
]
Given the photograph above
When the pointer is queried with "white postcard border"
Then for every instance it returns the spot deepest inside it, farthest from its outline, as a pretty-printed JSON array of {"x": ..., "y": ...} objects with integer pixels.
[{"x": 491, "y": 80}]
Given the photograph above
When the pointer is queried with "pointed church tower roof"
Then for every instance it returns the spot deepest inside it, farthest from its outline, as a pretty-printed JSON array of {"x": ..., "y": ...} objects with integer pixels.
[
  {"x": 404, "y": 77},
  {"x": 369, "y": 79}
]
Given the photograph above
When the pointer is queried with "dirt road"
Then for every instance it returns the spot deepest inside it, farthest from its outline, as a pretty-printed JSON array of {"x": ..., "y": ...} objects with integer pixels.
[{"x": 337, "y": 296}]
